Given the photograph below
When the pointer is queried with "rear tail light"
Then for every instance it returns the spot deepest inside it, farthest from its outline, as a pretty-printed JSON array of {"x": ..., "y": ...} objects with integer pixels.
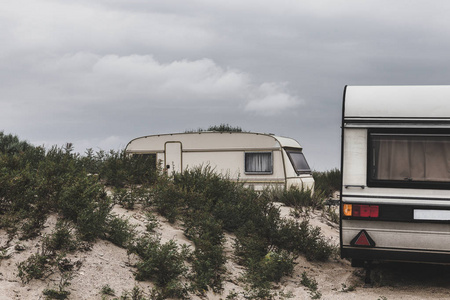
[{"x": 361, "y": 210}]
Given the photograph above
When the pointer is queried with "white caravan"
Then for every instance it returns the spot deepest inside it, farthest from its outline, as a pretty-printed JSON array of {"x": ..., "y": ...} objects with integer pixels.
[
  {"x": 395, "y": 194},
  {"x": 258, "y": 160}
]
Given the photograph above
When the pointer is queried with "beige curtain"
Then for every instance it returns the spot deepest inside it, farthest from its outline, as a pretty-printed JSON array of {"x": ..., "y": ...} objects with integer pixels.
[
  {"x": 413, "y": 158},
  {"x": 258, "y": 162}
]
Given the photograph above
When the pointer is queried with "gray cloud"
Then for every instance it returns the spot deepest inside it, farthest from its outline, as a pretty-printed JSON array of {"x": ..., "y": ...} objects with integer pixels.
[{"x": 100, "y": 73}]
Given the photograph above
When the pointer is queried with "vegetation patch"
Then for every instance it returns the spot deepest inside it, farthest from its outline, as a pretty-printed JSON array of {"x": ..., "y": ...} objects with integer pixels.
[
  {"x": 35, "y": 183},
  {"x": 162, "y": 263}
]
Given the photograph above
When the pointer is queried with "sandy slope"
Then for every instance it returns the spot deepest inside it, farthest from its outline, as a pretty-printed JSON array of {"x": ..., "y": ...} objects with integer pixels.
[{"x": 108, "y": 264}]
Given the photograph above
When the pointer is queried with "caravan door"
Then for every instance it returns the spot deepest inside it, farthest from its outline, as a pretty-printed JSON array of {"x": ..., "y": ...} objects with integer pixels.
[{"x": 172, "y": 157}]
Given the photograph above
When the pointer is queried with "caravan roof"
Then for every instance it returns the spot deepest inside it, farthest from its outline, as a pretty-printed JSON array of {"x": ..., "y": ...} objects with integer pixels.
[
  {"x": 397, "y": 102},
  {"x": 213, "y": 140}
]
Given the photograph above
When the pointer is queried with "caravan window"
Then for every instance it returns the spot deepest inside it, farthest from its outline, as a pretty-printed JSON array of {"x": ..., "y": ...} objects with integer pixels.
[
  {"x": 258, "y": 162},
  {"x": 299, "y": 162},
  {"x": 409, "y": 159}
]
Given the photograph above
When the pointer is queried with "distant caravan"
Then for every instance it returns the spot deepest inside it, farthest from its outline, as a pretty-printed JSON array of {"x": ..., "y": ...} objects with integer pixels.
[
  {"x": 395, "y": 194},
  {"x": 258, "y": 160}
]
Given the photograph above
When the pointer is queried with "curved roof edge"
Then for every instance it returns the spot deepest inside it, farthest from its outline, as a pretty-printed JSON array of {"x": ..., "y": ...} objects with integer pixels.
[{"x": 282, "y": 141}]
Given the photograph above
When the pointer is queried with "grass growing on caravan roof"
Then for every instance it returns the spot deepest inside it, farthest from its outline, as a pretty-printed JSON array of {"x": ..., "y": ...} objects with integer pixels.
[
  {"x": 35, "y": 183},
  {"x": 218, "y": 128}
]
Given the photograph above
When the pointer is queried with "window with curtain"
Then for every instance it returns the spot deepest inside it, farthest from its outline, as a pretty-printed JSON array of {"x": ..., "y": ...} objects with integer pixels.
[
  {"x": 258, "y": 162},
  {"x": 409, "y": 158}
]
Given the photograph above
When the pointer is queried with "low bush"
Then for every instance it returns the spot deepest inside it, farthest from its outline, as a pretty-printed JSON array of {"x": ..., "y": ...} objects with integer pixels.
[
  {"x": 128, "y": 197},
  {"x": 119, "y": 231},
  {"x": 302, "y": 238},
  {"x": 65, "y": 268},
  {"x": 107, "y": 290},
  {"x": 218, "y": 128},
  {"x": 34, "y": 267},
  {"x": 168, "y": 199},
  {"x": 327, "y": 182},
  {"x": 118, "y": 169},
  {"x": 312, "y": 286},
  {"x": 151, "y": 223},
  {"x": 56, "y": 294},
  {"x": 299, "y": 199},
  {"x": 208, "y": 258},
  {"x": 162, "y": 263},
  {"x": 271, "y": 268},
  {"x": 61, "y": 239},
  {"x": 35, "y": 183}
]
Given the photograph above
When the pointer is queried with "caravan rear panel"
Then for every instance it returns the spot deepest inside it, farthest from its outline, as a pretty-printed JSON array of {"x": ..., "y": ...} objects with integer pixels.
[{"x": 395, "y": 197}]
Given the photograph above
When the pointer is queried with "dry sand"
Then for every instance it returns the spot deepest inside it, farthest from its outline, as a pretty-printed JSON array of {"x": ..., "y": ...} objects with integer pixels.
[{"x": 107, "y": 264}]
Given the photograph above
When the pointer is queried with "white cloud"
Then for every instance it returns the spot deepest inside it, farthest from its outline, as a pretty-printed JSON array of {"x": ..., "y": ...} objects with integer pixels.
[
  {"x": 86, "y": 79},
  {"x": 271, "y": 99}
]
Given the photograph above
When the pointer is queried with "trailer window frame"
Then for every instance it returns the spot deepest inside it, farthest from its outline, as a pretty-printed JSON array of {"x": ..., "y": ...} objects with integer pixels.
[
  {"x": 258, "y": 172},
  {"x": 407, "y": 183},
  {"x": 290, "y": 153}
]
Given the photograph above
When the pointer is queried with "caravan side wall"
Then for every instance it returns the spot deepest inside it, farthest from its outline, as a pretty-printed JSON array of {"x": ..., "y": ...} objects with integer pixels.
[
  {"x": 231, "y": 164},
  {"x": 395, "y": 197},
  {"x": 226, "y": 154}
]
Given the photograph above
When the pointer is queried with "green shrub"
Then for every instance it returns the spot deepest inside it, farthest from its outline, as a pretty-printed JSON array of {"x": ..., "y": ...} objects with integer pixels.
[
  {"x": 327, "y": 182},
  {"x": 332, "y": 214},
  {"x": 35, "y": 183},
  {"x": 302, "y": 238},
  {"x": 151, "y": 222},
  {"x": 168, "y": 199},
  {"x": 218, "y": 128},
  {"x": 34, "y": 267},
  {"x": 163, "y": 263},
  {"x": 128, "y": 197},
  {"x": 295, "y": 197},
  {"x": 312, "y": 286},
  {"x": 91, "y": 223},
  {"x": 55, "y": 294},
  {"x": 208, "y": 258},
  {"x": 122, "y": 197},
  {"x": 119, "y": 169},
  {"x": 86, "y": 204},
  {"x": 31, "y": 225},
  {"x": 271, "y": 268},
  {"x": 107, "y": 290},
  {"x": 211, "y": 203},
  {"x": 60, "y": 239},
  {"x": 119, "y": 231},
  {"x": 260, "y": 233},
  {"x": 225, "y": 128},
  {"x": 65, "y": 267},
  {"x": 10, "y": 144}
]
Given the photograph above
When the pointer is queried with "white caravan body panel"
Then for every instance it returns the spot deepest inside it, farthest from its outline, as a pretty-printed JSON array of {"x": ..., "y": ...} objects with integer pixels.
[
  {"x": 232, "y": 154},
  {"x": 396, "y": 173}
]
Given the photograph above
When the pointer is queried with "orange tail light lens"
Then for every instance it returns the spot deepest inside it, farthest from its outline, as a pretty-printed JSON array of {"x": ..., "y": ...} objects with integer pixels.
[{"x": 347, "y": 210}]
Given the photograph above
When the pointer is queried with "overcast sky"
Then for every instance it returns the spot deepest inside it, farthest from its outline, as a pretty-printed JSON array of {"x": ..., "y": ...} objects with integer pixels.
[{"x": 98, "y": 73}]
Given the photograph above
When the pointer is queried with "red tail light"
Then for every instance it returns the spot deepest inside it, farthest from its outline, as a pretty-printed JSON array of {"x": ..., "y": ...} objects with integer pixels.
[
  {"x": 374, "y": 211},
  {"x": 362, "y": 211}
]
